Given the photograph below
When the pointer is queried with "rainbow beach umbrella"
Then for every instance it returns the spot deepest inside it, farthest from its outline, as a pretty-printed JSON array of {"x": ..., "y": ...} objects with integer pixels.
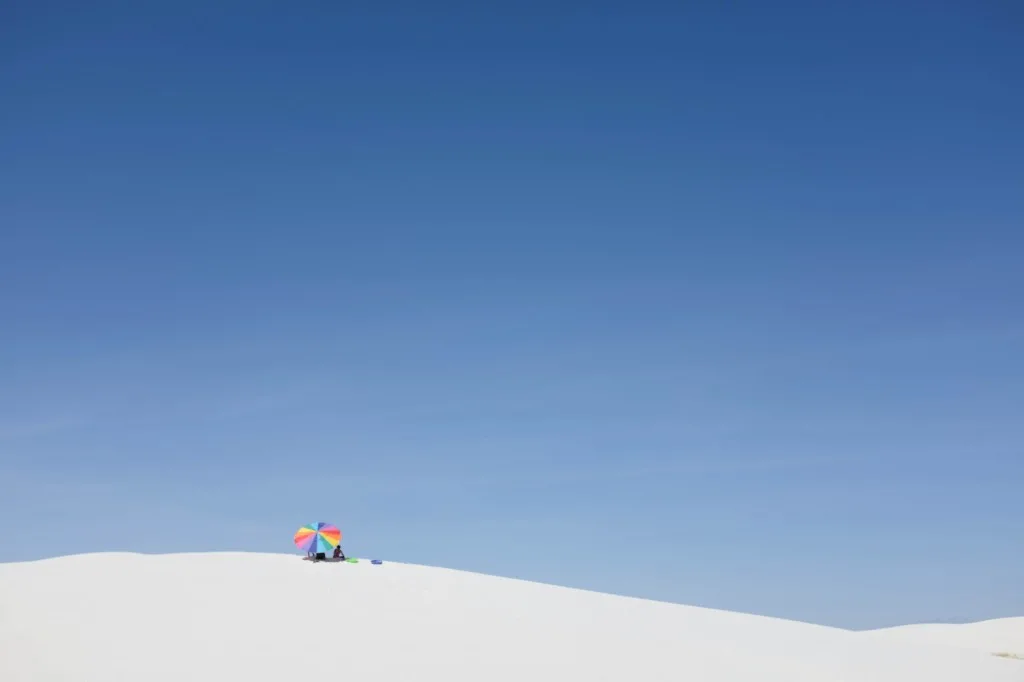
[{"x": 317, "y": 537}]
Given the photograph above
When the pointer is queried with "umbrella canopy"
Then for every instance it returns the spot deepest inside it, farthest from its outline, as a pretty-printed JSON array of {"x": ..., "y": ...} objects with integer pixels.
[{"x": 317, "y": 537}]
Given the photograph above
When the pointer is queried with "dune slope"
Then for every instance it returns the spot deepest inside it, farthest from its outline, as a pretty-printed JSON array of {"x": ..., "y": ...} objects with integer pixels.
[
  {"x": 255, "y": 617},
  {"x": 999, "y": 636}
]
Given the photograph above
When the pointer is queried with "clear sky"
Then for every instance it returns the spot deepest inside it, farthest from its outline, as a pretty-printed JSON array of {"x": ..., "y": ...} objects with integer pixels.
[{"x": 722, "y": 306}]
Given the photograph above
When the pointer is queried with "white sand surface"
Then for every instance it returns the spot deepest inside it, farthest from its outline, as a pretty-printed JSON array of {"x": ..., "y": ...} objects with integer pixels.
[
  {"x": 1001, "y": 635},
  {"x": 271, "y": 618}
]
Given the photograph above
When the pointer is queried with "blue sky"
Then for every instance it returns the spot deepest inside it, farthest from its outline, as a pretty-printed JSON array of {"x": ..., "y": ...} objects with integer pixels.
[{"x": 722, "y": 305}]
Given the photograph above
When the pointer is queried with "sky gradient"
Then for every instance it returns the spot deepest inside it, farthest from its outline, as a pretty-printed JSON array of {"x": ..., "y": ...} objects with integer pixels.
[{"x": 719, "y": 306}]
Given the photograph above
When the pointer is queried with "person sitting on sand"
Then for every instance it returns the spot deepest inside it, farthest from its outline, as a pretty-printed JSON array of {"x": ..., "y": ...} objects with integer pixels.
[{"x": 338, "y": 554}]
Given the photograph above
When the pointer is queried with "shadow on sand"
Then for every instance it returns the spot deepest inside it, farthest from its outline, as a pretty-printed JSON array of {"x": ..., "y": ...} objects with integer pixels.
[{"x": 328, "y": 560}]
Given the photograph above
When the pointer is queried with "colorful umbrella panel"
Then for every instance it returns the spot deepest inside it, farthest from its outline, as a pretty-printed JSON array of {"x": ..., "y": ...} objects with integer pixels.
[{"x": 317, "y": 538}]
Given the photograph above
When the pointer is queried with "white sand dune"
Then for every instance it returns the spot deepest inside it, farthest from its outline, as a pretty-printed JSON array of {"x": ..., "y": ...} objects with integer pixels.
[
  {"x": 1001, "y": 636},
  {"x": 256, "y": 618}
]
